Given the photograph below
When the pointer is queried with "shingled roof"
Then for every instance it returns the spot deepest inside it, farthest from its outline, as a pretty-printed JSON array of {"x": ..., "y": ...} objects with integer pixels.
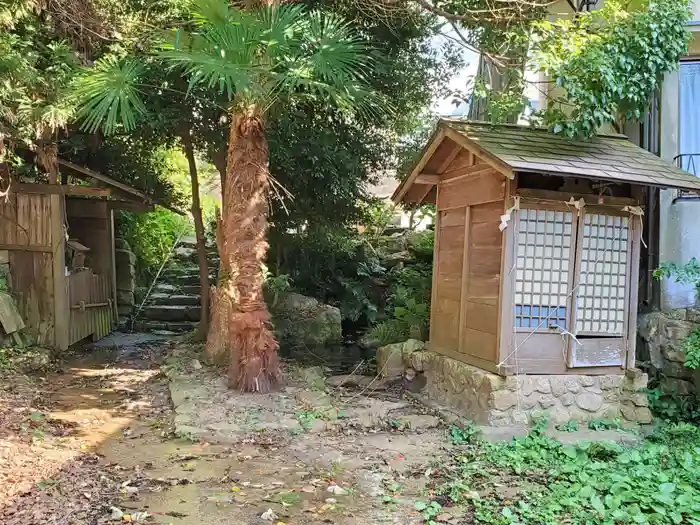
[{"x": 512, "y": 148}]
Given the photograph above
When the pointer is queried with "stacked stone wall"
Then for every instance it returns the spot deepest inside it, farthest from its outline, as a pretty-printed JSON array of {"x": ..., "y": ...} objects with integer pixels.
[{"x": 491, "y": 399}]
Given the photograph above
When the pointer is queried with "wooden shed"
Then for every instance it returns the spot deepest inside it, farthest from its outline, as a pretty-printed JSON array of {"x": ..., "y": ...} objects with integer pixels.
[
  {"x": 537, "y": 245},
  {"x": 58, "y": 240}
]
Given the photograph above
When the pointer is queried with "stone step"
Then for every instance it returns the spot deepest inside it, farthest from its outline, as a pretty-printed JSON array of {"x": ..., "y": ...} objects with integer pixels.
[
  {"x": 190, "y": 289},
  {"x": 174, "y": 299},
  {"x": 171, "y": 313},
  {"x": 183, "y": 273},
  {"x": 166, "y": 288},
  {"x": 151, "y": 326},
  {"x": 188, "y": 279}
]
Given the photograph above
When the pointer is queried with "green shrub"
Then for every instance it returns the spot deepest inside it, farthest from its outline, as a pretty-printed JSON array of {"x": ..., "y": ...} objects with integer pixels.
[
  {"x": 422, "y": 245},
  {"x": 337, "y": 266},
  {"x": 151, "y": 237},
  {"x": 691, "y": 350}
]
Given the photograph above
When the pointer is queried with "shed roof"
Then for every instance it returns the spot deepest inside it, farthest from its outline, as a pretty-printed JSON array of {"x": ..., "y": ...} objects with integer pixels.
[
  {"x": 513, "y": 148},
  {"x": 127, "y": 191}
]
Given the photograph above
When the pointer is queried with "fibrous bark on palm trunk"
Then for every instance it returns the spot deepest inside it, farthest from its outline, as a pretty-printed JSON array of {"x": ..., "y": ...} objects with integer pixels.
[{"x": 241, "y": 322}]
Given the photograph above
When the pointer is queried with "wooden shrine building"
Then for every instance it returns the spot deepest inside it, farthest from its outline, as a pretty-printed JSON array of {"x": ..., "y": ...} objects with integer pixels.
[
  {"x": 59, "y": 242},
  {"x": 537, "y": 246}
]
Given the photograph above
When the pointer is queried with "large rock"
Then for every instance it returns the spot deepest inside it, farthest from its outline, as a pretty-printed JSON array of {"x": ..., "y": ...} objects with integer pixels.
[
  {"x": 124, "y": 258},
  {"x": 303, "y": 321},
  {"x": 121, "y": 244},
  {"x": 393, "y": 359},
  {"x": 125, "y": 297}
]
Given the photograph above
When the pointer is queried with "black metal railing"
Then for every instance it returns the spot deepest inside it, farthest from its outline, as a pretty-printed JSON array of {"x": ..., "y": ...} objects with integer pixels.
[{"x": 689, "y": 162}]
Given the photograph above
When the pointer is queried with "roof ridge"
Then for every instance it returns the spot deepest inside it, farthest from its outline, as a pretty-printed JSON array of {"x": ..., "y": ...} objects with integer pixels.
[{"x": 456, "y": 120}]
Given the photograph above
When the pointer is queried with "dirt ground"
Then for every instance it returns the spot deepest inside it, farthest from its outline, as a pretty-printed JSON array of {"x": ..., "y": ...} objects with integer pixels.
[{"x": 100, "y": 442}]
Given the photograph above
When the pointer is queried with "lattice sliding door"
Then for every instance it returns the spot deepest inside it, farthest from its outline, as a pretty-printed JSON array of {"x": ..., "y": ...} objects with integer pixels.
[
  {"x": 572, "y": 277},
  {"x": 603, "y": 274},
  {"x": 543, "y": 269}
]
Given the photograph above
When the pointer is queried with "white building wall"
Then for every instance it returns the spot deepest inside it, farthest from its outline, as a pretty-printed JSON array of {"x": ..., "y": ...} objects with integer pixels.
[{"x": 679, "y": 228}]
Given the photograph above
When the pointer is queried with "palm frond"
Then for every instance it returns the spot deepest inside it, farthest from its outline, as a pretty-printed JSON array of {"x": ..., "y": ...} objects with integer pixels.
[
  {"x": 221, "y": 52},
  {"x": 331, "y": 64},
  {"x": 107, "y": 95},
  {"x": 280, "y": 27}
]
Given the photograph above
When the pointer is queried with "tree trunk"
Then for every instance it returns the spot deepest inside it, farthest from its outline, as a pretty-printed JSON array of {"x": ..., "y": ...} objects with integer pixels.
[
  {"x": 199, "y": 233},
  {"x": 243, "y": 329}
]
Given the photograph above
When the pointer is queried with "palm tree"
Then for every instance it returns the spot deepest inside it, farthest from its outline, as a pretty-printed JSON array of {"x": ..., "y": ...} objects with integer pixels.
[{"x": 256, "y": 59}]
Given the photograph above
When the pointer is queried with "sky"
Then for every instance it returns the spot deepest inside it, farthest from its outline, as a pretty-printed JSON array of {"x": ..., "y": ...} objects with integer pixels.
[{"x": 444, "y": 106}]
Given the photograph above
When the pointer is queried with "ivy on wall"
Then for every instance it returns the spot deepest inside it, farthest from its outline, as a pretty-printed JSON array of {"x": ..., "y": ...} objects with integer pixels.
[{"x": 608, "y": 62}]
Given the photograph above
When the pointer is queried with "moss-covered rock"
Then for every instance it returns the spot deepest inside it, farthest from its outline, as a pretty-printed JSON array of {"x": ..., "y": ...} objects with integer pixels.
[{"x": 303, "y": 321}]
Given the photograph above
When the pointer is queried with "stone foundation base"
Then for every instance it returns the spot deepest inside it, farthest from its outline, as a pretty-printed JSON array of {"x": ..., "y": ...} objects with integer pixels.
[{"x": 490, "y": 399}]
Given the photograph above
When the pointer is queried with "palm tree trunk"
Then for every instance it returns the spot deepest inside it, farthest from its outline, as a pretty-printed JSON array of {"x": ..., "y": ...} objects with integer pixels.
[
  {"x": 199, "y": 233},
  {"x": 244, "y": 328}
]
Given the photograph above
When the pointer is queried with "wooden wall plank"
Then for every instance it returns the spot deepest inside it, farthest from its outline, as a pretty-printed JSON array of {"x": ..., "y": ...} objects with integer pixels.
[
  {"x": 480, "y": 344},
  {"x": 31, "y": 283},
  {"x": 434, "y": 287},
  {"x": 452, "y": 238},
  {"x": 113, "y": 269},
  {"x": 482, "y": 317},
  {"x": 452, "y": 218},
  {"x": 8, "y": 219},
  {"x": 60, "y": 284},
  {"x": 464, "y": 159},
  {"x": 484, "y": 289},
  {"x": 451, "y": 262},
  {"x": 485, "y": 261},
  {"x": 490, "y": 212},
  {"x": 636, "y": 238},
  {"x": 482, "y": 188},
  {"x": 465, "y": 279},
  {"x": 449, "y": 287},
  {"x": 486, "y": 234},
  {"x": 24, "y": 219}
]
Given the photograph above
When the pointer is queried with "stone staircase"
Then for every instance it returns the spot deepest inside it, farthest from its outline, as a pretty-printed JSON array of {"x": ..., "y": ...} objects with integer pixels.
[{"x": 174, "y": 302}]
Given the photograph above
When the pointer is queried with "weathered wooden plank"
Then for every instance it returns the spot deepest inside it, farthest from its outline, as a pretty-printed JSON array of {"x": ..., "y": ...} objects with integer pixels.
[
  {"x": 452, "y": 218},
  {"x": 490, "y": 212},
  {"x": 449, "y": 287},
  {"x": 435, "y": 142},
  {"x": 463, "y": 159},
  {"x": 87, "y": 208},
  {"x": 484, "y": 290},
  {"x": 483, "y": 317},
  {"x": 25, "y": 248},
  {"x": 43, "y": 275},
  {"x": 464, "y": 358},
  {"x": 485, "y": 261},
  {"x": 486, "y": 234},
  {"x": 633, "y": 286},
  {"x": 450, "y": 177},
  {"x": 451, "y": 262},
  {"x": 436, "y": 262},
  {"x": 447, "y": 324},
  {"x": 112, "y": 270},
  {"x": 479, "y": 189},
  {"x": 480, "y": 344},
  {"x": 24, "y": 219},
  {"x": 452, "y": 238},
  {"x": 60, "y": 285},
  {"x": 465, "y": 278},
  {"x": 7, "y": 219},
  {"x": 60, "y": 189}
]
